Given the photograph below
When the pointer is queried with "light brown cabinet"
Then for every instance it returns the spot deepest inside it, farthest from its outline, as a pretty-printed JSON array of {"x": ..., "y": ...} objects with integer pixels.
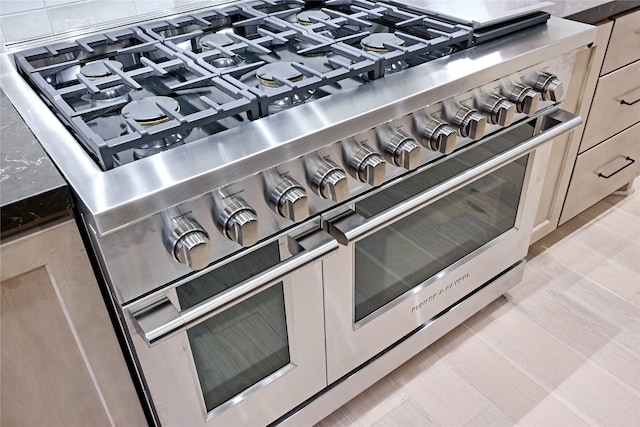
[
  {"x": 605, "y": 75},
  {"x": 60, "y": 360},
  {"x": 565, "y": 147},
  {"x": 609, "y": 152}
]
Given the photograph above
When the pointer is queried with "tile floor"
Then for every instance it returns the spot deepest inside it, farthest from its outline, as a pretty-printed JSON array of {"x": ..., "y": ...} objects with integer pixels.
[{"x": 561, "y": 348}]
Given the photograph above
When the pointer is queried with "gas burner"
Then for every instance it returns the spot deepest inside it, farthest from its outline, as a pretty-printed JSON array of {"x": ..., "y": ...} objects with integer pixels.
[
  {"x": 215, "y": 38},
  {"x": 148, "y": 112},
  {"x": 305, "y": 17},
  {"x": 99, "y": 69},
  {"x": 376, "y": 42},
  {"x": 268, "y": 76},
  {"x": 221, "y": 40}
]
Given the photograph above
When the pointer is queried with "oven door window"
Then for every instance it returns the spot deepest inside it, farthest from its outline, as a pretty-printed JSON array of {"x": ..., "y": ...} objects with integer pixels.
[
  {"x": 244, "y": 344},
  {"x": 402, "y": 256}
]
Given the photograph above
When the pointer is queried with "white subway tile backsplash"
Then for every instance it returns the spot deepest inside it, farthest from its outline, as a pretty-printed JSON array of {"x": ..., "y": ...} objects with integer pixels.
[
  {"x": 71, "y": 16},
  {"x": 22, "y": 26},
  {"x": 179, "y": 3},
  {"x": 112, "y": 10},
  {"x": 26, "y": 19},
  {"x": 53, "y": 3},
  {"x": 148, "y": 6},
  {"x": 16, "y": 6}
]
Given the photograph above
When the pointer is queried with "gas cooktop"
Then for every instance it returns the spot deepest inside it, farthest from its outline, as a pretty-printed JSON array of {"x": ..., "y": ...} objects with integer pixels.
[{"x": 131, "y": 93}]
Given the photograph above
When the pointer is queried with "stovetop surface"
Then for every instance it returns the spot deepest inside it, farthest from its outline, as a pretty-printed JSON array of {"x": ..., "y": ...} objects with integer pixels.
[
  {"x": 214, "y": 63},
  {"x": 232, "y": 137}
]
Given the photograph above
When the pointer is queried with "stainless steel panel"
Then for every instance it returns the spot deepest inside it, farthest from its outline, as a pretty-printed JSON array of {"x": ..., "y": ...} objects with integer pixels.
[
  {"x": 351, "y": 229},
  {"x": 148, "y": 186},
  {"x": 481, "y": 13},
  {"x": 172, "y": 380},
  {"x": 163, "y": 320},
  {"x": 350, "y": 345}
]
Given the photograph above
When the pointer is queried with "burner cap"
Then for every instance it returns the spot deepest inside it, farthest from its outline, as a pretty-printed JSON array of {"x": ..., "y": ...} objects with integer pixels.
[
  {"x": 284, "y": 70},
  {"x": 146, "y": 111},
  {"x": 305, "y": 16},
  {"x": 376, "y": 41},
  {"x": 98, "y": 69},
  {"x": 216, "y": 38}
]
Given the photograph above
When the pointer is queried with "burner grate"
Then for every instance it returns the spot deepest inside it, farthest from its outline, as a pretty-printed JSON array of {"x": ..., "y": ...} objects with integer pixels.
[{"x": 208, "y": 60}]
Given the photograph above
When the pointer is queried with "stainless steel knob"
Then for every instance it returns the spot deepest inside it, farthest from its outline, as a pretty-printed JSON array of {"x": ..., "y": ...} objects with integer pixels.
[
  {"x": 188, "y": 243},
  {"x": 367, "y": 165},
  {"x": 499, "y": 110},
  {"x": 549, "y": 86},
  {"x": 289, "y": 199},
  {"x": 435, "y": 135},
  {"x": 470, "y": 122},
  {"x": 525, "y": 98},
  {"x": 330, "y": 182},
  {"x": 239, "y": 222},
  {"x": 399, "y": 148}
]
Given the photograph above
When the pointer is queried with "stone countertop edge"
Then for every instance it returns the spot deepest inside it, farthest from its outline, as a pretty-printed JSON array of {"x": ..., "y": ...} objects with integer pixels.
[
  {"x": 32, "y": 190},
  {"x": 591, "y": 11}
]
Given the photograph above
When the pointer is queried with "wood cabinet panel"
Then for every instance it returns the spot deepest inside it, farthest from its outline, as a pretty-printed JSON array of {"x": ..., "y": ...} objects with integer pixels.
[
  {"x": 42, "y": 369},
  {"x": 602, "y": 170},
  {"x": 60, "y": 361},
  {"x": 565, "y": 147},
  {"x": 609, "y": 115},
  {"x": 624, "y": 47}
]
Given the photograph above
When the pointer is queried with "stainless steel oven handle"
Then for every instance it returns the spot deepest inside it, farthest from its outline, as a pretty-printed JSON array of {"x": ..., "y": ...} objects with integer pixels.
[
  {"x": 353, "y": 227},
  {"x": 162, "y": 320}
]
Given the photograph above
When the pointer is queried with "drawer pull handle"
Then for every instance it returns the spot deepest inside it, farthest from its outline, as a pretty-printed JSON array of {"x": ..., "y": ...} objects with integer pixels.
[
  {"x": 629, "y": 162},
  {"x": 624, "y": 102},
  {"x": 634, "y": 94}
]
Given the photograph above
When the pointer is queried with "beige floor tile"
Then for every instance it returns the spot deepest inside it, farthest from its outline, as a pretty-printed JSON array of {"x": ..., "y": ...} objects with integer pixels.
[
  {"x": 446, "y": 397},
  {"x": 407, "y": 414},
  {"x": 491, "y": 416}
]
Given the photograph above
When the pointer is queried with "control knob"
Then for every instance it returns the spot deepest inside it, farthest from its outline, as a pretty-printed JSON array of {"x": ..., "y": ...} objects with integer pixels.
[
  {"x": 525, "y": 98},
  {"x": 330, "y": 182},
  {"x": 367, "y": 165},
  {"x": 238, "y": 221},
  {"x": 434, "y": 134},
  {"x": 549, "y": 86},
  {"x": 399, "y": 148},
  {"x": 187, "y": 241},
  {"x": 499, "y": 110},
  {"x": 289, "y": 199},
  {"x": 469, "y": 121}
]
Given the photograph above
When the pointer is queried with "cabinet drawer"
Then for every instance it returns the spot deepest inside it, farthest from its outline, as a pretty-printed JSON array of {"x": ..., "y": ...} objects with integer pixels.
[
  {"x": 602, "y": 170},
  {"x": 624, "y": 45},
  {"x": 610, "y": 112}
]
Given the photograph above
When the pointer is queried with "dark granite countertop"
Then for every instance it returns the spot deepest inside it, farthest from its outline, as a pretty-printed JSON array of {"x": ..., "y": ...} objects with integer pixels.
[
  {"x": 590, "y": 11},
  {"x": 31, "y": 188}
]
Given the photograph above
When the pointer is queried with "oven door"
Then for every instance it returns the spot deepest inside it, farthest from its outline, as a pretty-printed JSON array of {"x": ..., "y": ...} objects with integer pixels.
[
  {"x": 240, "y": 344},
  {"x": 420, "y": 245}
]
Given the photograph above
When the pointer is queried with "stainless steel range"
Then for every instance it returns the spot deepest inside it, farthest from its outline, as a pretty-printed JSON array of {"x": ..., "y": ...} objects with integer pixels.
[{"x": 288, "y": 200}]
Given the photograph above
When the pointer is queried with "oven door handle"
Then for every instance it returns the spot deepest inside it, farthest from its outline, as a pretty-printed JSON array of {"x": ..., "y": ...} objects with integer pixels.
[
  {"x": 352, "y": 227},
  {"x": 162, "y": 319}
]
